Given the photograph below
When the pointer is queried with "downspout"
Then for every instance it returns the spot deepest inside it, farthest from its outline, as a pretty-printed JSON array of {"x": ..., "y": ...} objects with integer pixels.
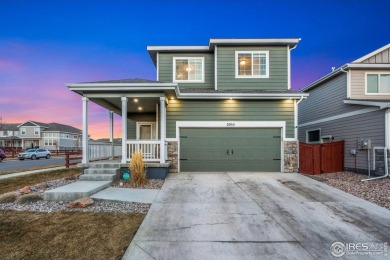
[
  {"x": 348, "y": 89},
  {"x": 385, "y": 149}
]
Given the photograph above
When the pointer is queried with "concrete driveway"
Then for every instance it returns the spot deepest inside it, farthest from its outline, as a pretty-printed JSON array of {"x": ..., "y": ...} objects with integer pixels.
[{"x": 254, "y": 216}]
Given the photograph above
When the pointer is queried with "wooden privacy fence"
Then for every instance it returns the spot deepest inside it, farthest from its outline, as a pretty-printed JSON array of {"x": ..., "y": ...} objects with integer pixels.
[
  {"x": 321, "y": 158},
  {"x": 73, "y": 158}
]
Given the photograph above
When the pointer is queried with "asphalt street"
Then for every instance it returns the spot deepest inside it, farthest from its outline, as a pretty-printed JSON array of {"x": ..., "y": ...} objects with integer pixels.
[{"x": 10, "y": 165}]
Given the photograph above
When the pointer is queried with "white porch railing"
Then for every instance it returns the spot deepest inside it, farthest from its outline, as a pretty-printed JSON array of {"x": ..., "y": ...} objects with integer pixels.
[
  {"x": 98, "y": 151},
  {"x": 150, "y": 149}
]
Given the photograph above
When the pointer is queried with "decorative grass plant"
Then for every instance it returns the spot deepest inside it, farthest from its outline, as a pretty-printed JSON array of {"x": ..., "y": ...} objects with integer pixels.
[{"x": 137, "y": 169}]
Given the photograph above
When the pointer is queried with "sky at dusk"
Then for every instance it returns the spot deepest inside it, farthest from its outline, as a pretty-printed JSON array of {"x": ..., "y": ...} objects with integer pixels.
[{"x": 45, "y": 44}]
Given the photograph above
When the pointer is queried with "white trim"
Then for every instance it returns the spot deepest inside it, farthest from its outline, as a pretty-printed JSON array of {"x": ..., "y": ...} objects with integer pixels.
[
  {"x": 372, "y": 53},
  {"x": 311, "y": 130},
  {"x": 121, "y": 86},
  {"x": 124, "y": 129},
  {"x": 157, "y": 118},
  {"x": 349, "y": 82},
  {"x": 369, "y": 66},
  {"x": 288, "y": 68},
  {"x": 272, "y": 41},
  {"x": 331, "y": 118},
  {"x": 171, "y": 139},
  {"x": 158, "y": 65},
  {"x": 379, "y": 104},
  {"x": 177, "y": 48},
  {"x": 236, "y": 53},
  {"x": 187, "y": 81},
  {"x": 215, "y": 68},
  {"x": 138, "y": 126},
  {"x": 233, "y": 124},
  {"x": 85, "y": 140},
  {"x": 378, "y": 73},
  {"x": 163, "y": 129}
]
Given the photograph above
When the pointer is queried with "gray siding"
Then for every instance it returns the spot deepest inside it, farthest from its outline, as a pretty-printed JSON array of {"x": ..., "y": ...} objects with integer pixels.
[
  {"x": 369, "y": 126},
  {"x": 358, "y": 86},
  {"x": 226, "y": 110},
  {"x": 30, "y": 132},
  {"x": 325, "y": 101},
  {"x": 132, "y": 123},
  {"x": 278, "y": 75},
  {"x": 165, "y": 71}
]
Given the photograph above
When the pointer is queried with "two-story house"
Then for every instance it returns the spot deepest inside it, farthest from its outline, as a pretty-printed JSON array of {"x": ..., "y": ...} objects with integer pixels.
[
  {"x": 226, "y": 106},
  {"x": 9, "y": 136},
  {"x": 352, "y": 104},
  {"x": 52, "y": 136}
]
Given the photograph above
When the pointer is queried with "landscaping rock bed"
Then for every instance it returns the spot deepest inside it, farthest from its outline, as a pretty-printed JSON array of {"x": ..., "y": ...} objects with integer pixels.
[
  {"x": 98, "y": 206},
  {"x": 375, "y": 191}
]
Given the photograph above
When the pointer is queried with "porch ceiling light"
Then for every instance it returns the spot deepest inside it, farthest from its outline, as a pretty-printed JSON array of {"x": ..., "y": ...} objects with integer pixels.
[
  {"x": 172, "y": 98},
  {"x": 139, "y": 108},
  {"x": 135, "y": 100}
]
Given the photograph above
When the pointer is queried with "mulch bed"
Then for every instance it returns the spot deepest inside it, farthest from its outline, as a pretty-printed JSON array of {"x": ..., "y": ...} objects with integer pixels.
[{"x": 375, "y": 191}]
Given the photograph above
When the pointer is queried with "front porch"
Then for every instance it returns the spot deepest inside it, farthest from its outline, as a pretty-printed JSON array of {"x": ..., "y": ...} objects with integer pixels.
[{"x": 143, "y": 123}]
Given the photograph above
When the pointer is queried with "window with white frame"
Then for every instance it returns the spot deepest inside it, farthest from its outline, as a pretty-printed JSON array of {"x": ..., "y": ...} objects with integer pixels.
[
  {"x": 36, "y": 131},
  {"x": 313, "y": 136},
  {"x": 188, "y": 69},
  {"x": 377, "y": 83},
  {"x": 22, "y": 131},
  {"x": 50, "y": 142},
  {"x": 252, "y": 64},
  {"x": 5, "y": 133}
]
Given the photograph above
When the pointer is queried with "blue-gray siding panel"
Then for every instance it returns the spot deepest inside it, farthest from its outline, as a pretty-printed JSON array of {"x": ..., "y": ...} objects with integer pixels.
[{"x": 369, "y": 126}]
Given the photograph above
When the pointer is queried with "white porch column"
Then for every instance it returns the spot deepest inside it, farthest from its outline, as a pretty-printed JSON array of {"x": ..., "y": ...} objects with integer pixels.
[
  {"x": 85, "y": 130},
  {"x": 112, "y": 133},
  {"x": 124, "y": 129},
  {"x": 162, "y": 130}
]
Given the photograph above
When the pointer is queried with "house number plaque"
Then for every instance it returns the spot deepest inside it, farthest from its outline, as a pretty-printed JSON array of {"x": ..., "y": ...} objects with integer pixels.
[{"x": 230, "y": 124}]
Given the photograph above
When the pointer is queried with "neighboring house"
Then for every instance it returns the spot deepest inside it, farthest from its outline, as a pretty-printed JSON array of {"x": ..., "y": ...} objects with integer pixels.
[
  {"x": 352, "y": 104},
  {"x": 226, "y": 106},
  {"x": 9, "y": 136},
  {"x": 52, "y": 136}
]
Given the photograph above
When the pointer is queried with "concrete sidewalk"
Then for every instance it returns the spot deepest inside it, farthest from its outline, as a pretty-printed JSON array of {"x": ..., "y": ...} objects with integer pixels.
[
  {"x": 11, "y": 175},
  {"x": 254, "y": 216}
]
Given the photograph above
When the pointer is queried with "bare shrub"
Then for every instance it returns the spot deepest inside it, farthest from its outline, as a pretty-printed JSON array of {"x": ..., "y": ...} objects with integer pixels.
[
  {"x": 28, "y": 198},
  {"x": 8, "y": 197},
  {"x": 137, "y": 169}
]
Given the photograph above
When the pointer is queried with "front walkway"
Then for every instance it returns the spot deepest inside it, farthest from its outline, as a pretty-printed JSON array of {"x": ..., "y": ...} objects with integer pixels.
[{"x": 254, "y": 216}]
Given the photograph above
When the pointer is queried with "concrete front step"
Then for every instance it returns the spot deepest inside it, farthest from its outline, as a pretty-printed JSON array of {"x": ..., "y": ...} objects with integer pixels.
[
  {"x": 99, "y": 177},
  {"x": 104, "y": 165},
  {"x": 76, "y": 190},
  {"x": 101, "y": 171},
  {"x": 126, "y": 195}
]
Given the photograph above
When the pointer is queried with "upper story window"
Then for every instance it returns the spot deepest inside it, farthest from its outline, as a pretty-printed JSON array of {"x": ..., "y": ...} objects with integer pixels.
[
  {"x": 36, "y": 131},
  {"x": 5, "y": 133},
  {"x": 252, "y": 64},
  {"x": 188, "y": 70},
  {"x": 22, "y": 131},
  {"x": 377, "y": 83}
]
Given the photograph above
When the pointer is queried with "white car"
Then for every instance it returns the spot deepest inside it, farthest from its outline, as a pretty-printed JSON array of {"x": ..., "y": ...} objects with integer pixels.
[{"x": 34, "y": 154}]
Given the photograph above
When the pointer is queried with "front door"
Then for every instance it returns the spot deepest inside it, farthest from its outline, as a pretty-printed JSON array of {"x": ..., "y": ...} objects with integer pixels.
[{"x": 145, "y": 131}]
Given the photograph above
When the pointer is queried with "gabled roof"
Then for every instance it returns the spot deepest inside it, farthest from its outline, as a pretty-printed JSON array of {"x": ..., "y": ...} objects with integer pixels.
[
  {"x": 357, "y": 64},
  {"x": 10, "y": 127},
  {"x": 51, "y": 127},
  {"x": 291, "y": 42},
  {"x": 56, "y": 127},
  {"x": 33, "y": 123}
]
